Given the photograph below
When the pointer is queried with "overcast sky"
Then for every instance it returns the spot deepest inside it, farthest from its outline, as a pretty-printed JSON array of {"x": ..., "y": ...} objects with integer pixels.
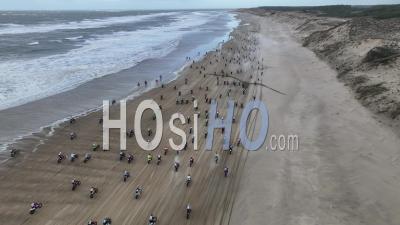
[{"x": 169, "y": 4}]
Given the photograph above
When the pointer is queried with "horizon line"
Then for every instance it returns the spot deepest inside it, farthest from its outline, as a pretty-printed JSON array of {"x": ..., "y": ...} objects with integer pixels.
[{"x": 200, "y": 8}]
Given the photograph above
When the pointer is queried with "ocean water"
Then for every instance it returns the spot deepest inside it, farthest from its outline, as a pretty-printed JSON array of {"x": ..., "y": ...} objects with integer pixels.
[
  {"x": 49, "y": 58},
  {"x": 62, "y": 50}
]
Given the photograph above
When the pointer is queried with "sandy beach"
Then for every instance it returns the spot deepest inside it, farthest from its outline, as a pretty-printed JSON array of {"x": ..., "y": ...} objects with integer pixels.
[{"x": 344, "y": 172}]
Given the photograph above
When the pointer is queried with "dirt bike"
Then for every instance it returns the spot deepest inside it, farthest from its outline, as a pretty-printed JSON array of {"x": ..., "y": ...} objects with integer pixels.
[
  {"x": 92, "y": 222},
  {"x": 131, "y": 133},
  {"x": 130, "y": 158},
  {"x": 72, "y": 136},
  {"x": 107, "y": 221},
  {"x": 60, "y": 158},
  {"x": 176, "y": 166},
  {"x": 121, "y": 156},
  {"x": 75, "y": 184},
  {"x": 86, "y": 159},
  {"x": 13, "y": 152},
  {"x": 72, "y": 159},
  {"x": 138, "y": 193},
  {"x": 191, "y": 161},
  {"x": 93, "y": 192},
  {"x": 95, "y": 147},
  {"x": 35, "y": 206},
  {"x": 126, "y": 177},
  {"x": 153, "y": 221},
  {"x": 158, "y": 161}
]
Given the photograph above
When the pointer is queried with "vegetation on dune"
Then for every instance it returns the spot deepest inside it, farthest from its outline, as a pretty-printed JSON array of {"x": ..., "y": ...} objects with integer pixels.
[
  {"x": 371, "y": 90},
  {"x": 345, "y": 11},
  {"x": 381, "y": 54}
]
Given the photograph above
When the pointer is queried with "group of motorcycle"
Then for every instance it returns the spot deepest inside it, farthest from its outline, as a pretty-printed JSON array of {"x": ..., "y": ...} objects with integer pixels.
[
  {"x": 73, "y": 157},
  {"x": 106, "y": 221},
  {"x": 122, "y": 156},
  {"x": 126, "y": 175},
  {"x": 153, "y": 219}
]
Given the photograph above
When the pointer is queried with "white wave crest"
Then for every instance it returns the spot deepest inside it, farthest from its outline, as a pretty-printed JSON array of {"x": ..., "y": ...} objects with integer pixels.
[
  {"x": 23, "y": 81},
  {"x": 84, "y": 24}
]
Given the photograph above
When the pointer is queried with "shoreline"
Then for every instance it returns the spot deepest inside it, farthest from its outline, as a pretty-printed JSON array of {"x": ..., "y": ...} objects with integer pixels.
[
  {"x": 41, "y": 132},
  {"x": 47, "y": 131},
  {"x": 214, "y": 43}
]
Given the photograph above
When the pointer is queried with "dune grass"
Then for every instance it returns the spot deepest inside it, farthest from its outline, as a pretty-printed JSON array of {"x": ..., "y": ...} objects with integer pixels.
[{"x": 345, "y": 11}]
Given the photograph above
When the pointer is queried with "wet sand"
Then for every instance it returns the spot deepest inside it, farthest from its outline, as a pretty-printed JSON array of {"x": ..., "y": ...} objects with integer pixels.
[{"x": 345, "y": 171}]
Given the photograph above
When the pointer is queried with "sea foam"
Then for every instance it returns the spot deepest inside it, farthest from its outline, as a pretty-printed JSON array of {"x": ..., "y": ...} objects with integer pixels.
[{"x": 22, "y": 81}]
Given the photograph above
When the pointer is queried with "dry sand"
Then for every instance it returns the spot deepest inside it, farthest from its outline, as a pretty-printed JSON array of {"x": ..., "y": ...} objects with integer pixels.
[
  {"x": 345, "y": 171},
  {"x": 364, "y": 51}
]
